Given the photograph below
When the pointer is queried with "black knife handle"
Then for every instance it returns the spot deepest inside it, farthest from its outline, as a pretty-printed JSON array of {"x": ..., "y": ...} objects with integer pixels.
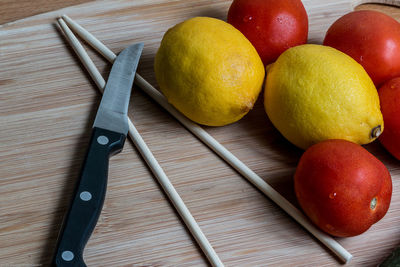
[{"x": 88, "y": 198}]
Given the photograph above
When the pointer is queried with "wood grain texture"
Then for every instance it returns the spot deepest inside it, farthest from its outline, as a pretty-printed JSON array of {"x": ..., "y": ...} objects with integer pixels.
[
  {"x": 11, "y": 10},
  {"x": 48, "y": 104},
  {"x": 381, "y": 2}
]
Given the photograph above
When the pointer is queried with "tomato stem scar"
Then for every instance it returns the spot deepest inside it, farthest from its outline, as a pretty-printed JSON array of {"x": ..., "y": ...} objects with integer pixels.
[{"x": 373, "y": 203}]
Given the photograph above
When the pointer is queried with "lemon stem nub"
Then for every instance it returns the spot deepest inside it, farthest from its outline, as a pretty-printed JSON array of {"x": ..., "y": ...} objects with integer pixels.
[{"x": 376, "y": 131}]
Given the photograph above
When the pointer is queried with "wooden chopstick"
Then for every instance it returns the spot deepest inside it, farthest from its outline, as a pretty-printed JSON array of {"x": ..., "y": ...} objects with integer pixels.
[
  {"x": 147, "y": 155},
  {"x": 219, "y": 149}
]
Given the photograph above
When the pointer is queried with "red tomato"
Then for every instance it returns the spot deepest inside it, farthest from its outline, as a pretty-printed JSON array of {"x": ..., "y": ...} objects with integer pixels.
[
  {"x": 389, "y": 96},
  {"x": 272, "y": 26},
  {"x": 342, "y": 188},
  {"x": 372, "y": 39}
]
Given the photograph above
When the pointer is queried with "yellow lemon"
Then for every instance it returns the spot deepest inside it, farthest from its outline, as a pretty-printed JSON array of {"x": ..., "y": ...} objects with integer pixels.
[
  {"x": 209, "y": 71},
  {"x": 315, "y": 92}
]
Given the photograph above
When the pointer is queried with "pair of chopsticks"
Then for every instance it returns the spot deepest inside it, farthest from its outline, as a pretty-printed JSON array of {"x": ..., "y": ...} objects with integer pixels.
[{"x": 201, "y": 134}]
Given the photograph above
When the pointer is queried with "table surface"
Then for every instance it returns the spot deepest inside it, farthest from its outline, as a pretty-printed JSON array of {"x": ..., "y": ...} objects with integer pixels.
[{"x": 11, "y": 10}]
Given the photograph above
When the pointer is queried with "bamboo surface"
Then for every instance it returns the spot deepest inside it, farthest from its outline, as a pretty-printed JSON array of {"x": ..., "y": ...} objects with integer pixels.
[{"x": 47, "y": 107}]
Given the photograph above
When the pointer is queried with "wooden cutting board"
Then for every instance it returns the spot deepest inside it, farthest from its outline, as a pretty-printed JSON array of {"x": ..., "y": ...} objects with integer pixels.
[{"x": 47, "y": 106}]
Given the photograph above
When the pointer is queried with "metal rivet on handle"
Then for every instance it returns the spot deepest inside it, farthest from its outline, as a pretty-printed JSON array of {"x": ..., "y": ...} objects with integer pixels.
[
  {"x": 67, "y": 255},
  {"x": 85, "y": 196},
  {"x": 102, "y": 140}
]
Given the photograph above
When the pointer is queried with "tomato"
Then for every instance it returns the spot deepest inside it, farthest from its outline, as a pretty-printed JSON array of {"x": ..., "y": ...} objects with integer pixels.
[
  {"x": 272, "y": 26},
  {"x": 389, "y": 97},
  {"x": 372, "y": 39},
  {"x": 342, "y": 187}
]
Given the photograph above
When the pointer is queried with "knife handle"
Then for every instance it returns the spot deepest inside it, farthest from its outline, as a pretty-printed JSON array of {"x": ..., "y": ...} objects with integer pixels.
[{"x": 88, "y": 198}]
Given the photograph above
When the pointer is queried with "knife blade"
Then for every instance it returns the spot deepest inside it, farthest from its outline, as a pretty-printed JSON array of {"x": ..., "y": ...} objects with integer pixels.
[{"x": 108, "y": 137}]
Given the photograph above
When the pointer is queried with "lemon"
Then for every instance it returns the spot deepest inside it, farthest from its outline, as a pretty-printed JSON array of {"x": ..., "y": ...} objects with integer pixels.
[
  {"x": 209, "y": 71},
  {"x": 315, "y": 92}
]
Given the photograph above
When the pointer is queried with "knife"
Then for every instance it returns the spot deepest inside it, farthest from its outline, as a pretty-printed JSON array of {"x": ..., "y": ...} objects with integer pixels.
[{"x": 108, "y": 137}]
